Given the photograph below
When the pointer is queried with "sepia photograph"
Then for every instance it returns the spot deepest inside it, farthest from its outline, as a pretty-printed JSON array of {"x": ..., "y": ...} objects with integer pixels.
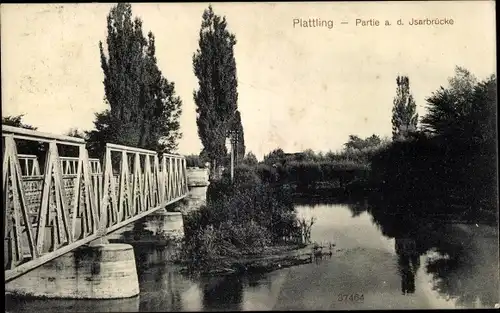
[{"x": 249, "y": 156}]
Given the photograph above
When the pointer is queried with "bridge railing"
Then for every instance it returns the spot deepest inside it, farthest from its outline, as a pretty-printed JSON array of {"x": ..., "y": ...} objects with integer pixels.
[
  {"x": 140, "y": 184},
  {"x": 72, "y": 201}
]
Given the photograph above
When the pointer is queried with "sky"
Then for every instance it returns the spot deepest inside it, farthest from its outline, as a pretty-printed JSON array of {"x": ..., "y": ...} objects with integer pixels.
[{"x": 299, "y": 87}]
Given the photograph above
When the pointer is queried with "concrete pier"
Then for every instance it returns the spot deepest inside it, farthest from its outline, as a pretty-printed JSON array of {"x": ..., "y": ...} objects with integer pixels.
[
  {"x": 198, "y": 181},
  {"x": 197, "y": 197},
  {"x": 168, "y": 224},
  {"x": 156, "y": 238},
  {"x": 101, "y": 271}
]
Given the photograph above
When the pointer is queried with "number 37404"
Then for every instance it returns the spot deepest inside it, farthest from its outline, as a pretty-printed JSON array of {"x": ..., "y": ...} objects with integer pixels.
[{"x": 354, "y": 297}]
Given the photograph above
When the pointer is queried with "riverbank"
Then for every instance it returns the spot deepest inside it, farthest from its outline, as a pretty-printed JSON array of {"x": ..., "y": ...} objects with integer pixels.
[
  {"x": 271, "y": 259},
  {"x": 447, "y": 211}
]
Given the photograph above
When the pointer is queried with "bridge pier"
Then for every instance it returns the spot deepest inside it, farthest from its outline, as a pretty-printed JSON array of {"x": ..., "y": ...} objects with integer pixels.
[
  {"x": 157, "y": 238},
  {"x": 198, "y": 181},
  {"x": 170, "y": 224},
  {"x": 97, "y": 271}
]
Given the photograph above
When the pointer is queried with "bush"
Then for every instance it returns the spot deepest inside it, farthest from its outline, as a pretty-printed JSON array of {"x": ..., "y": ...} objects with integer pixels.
[
  {"x": 240, "y": 218},
  {"x": 194, "y": 160}
]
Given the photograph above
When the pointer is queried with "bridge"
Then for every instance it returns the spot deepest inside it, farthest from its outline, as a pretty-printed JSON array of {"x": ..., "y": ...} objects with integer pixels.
[{"x": 75, "y": 200}]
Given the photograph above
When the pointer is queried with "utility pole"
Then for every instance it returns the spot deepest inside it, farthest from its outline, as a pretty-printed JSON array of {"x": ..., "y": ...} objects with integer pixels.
[
  {"x": 232, "y": 140},
  {"x": 230, "y": 147},
  {"x": 232, "y": 157}
]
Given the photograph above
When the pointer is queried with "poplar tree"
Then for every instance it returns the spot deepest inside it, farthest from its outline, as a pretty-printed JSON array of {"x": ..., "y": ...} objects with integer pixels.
[
  {"x": 216, "y": 98},
  {"x": 404, "y": 111},
  {"x": 143, "y": 108}
]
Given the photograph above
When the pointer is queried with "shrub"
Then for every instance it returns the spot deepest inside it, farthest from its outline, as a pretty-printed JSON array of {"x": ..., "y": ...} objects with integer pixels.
[{"x": 240, "y": 218}]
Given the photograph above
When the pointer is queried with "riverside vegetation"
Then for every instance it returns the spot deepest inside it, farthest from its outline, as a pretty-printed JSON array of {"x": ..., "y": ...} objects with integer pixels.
[
  {"x": 444, "y": 169},
  {"x": 242, "y": 220}
]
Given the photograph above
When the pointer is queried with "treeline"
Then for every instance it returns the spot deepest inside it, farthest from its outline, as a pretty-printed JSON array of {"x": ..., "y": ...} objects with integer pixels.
[
  {"x": 449, "y": 164},
  {"x": 309, "y": 171},
  {"x": 194, "y": 160}
]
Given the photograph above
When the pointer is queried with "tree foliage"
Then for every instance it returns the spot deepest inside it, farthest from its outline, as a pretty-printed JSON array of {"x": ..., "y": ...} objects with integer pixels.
[
  {"x": 465, "y": 111},
  {"x": 16, "y": 121},
  {"x": 216, "y": 98},
  {"x": 357, "y": 143},
  {"x": 194, "y": 160},
  {"x": 274, "y": 157},
  {"x": 144, "y": 109},
  {"x": 25, "y": 146},
  {"x": 404, "y": 111},
  {"x": 453, "y": 159},
  {"x": 250, "y": 159}
]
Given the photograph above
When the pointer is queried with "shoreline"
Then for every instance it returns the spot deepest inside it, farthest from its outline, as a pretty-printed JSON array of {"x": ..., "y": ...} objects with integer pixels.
[{"x": 264, "y": 262}]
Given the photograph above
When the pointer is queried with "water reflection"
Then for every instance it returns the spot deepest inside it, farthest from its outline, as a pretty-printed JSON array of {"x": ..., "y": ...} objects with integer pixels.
[
  {"x": 462, "y": 259},
  {"x": 222, "y": 293},
  {"x": 161, "y": 289},
  {"x": 396, "y": 262},
  {"x": 408, "y": 262}
]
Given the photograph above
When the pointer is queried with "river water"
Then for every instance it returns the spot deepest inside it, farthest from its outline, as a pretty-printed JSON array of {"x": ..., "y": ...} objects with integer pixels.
[{"x": 376, "y": 263}]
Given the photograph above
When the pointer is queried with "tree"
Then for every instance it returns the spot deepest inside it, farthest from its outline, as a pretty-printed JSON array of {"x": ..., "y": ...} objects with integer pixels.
[
  {"x": 357, "y": 143},
  {"x": 462, "y": 120},
  {"x": 453, "y": 160},
  {"x": 194, "y": 160},
  {"x": 16, "y": 121},
  {"x": 25, "y": 146},
  {"x": 309, "y": 156},
  {"x": 68, "y": 150},
  {"x": 250, "y": 159},
  {"x": 216, "y": 98},
  {"x": 274, "y": 157},
  {"x": 457, "y": 111},
  {"x": 144, "y": 109},
  {"x": 404, "y": 116}
]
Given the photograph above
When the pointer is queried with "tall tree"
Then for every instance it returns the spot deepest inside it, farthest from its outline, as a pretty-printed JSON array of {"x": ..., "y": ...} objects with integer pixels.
[
  {"x": 216, "y": 98},
  {"x": 451, "y": 110},
  {"x": 143, "y": 108},
  {"x": 404, "y": 111}
]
